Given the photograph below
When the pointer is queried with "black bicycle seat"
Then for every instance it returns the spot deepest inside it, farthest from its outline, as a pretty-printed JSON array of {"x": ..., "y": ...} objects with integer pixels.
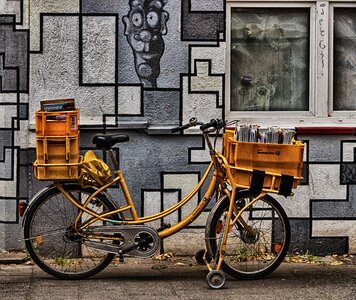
[{"x": 106, "y": 141}]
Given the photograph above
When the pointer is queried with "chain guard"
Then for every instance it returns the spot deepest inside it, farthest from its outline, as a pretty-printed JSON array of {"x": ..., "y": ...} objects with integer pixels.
[{"x": 135, "y": 240}]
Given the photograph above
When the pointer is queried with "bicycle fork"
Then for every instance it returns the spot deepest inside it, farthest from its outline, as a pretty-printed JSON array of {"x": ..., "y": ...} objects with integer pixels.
[{"x": 216, "y": 278}]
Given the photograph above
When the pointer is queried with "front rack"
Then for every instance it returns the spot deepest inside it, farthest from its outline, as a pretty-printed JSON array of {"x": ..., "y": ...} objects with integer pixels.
[{"x": 269, "y": 168}]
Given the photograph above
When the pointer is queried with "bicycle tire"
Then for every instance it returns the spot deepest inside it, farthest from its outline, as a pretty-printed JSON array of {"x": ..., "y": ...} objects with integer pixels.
[
  {"x": 250, "y": 256},
  {"x": 49, "y": 242}
]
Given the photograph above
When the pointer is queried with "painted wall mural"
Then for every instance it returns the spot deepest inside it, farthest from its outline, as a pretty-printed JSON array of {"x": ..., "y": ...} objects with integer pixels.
[
  {"x": 141, "y": 67},
  {"x": 145, "y": 26}
]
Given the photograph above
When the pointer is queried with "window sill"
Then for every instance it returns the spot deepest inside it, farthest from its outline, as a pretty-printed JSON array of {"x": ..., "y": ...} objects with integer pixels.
[
  {"x": 326, "y": 130},
  {"x": 293, "y": 120}
]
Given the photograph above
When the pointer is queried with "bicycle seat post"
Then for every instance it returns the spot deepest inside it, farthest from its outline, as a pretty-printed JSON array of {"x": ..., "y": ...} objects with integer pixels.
[
  {"x": 106, "y": 142},
  {"x": 114, "y": 160}
]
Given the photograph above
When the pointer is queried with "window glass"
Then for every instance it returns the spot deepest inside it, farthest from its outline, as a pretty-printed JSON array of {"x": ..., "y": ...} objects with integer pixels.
[
  {"x": 344, "y": 59},
  {"x": 269, "y": 59}
]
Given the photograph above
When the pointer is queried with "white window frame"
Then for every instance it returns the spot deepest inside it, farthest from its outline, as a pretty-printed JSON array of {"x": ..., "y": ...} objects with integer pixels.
[{"x": 320, "y": 69}]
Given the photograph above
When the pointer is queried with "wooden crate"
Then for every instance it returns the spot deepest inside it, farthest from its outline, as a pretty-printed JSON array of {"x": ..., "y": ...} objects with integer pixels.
[
  {"x": 57, "y": 158},
  {"x": 58, "y": 123},
  {"x": 57, "y": 145},
  {"x": 280, "y": 159}
]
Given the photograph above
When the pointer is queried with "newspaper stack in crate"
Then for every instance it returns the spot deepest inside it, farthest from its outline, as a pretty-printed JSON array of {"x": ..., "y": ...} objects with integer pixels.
[{"x": 57, "y": 141}]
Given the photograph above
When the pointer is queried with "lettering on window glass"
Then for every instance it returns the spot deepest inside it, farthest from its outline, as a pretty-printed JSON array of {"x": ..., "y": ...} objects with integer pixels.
[
  {"x": 269, "y": 59},
  {"x": 344, "y": 59},
  {"x": 322, "y": 43}
]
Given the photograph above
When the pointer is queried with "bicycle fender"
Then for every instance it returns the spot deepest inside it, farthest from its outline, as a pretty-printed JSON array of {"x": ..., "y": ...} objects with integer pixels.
[
  {"x": 33, "y": 199},
  {"x": 52, "y": 186}
]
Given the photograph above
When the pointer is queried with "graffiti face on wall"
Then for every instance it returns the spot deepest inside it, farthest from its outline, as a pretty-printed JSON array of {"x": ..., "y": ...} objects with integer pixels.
[{"x": 145, "y": 25}]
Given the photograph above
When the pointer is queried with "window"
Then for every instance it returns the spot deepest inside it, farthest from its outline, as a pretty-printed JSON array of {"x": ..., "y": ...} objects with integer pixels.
[
  {"x": 344, "y": 59},
  {"x": 269, "y": 59},
  {"x": 291, "y": 63}
]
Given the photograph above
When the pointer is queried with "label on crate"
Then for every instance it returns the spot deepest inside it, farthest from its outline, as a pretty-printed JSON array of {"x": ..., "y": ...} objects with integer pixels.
[
  {"x": 268, "y": 152},
  {"x": 56, "y": 118},
  {"x": 73, "y": 123}
]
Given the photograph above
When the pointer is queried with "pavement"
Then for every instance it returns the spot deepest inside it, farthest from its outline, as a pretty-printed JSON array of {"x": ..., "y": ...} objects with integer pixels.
[{"x": 170, "y": 277}]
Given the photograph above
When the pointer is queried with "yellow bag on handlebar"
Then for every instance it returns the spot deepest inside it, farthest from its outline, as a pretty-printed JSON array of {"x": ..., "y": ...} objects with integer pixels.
[{"x": 94, "y": 171}]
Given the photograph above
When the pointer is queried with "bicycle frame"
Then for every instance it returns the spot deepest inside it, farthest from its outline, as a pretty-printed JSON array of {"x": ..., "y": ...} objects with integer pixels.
[
  {"x": 216, "y": 181},
  {"x": 221, "y": 173},
  {"x": 223, "y": 177}
]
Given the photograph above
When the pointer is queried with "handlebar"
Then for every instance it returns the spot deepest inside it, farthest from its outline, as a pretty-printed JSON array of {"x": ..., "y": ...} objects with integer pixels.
[
  {"x": 180, "y": 128},
  {"x": 215, "y": 123},
  {"x": 212, "y": 123}
]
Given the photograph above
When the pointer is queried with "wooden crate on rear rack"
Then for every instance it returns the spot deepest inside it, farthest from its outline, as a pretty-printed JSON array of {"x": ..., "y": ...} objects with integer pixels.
[
  {"x": 57, "y": 123},
  {"x": 57, "y": 145}
]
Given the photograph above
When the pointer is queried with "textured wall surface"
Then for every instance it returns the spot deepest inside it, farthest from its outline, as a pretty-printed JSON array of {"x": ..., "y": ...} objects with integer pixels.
[{"x": 83, "y": 50}]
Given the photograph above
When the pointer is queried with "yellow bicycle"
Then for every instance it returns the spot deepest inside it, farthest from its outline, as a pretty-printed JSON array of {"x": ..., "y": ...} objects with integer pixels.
[{"x": 73, "y": 230}]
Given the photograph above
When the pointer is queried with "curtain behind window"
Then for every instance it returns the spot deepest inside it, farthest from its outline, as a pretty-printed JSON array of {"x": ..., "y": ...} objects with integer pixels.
[
  {"x": 345, "y": 59},
  {"x": 269, "y": 59}
]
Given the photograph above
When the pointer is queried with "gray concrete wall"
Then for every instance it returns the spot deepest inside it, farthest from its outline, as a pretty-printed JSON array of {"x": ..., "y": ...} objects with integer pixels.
[{"x": 83, "y": 50}]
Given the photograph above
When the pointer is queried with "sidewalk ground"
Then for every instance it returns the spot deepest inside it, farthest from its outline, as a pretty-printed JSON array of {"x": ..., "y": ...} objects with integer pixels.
[{"x": 182, "y": 278}]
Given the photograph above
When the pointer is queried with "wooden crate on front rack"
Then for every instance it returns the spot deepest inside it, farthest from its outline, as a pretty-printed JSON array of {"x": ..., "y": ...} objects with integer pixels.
[
  {"x": 276, "y": 160},
  {"x": 57, "y": 145}
]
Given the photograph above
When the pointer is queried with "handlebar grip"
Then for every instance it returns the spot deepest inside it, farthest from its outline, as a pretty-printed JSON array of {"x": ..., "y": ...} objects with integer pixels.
[
  {"x": 180, "y": 128},
  {"x": 212, "y": 123}
]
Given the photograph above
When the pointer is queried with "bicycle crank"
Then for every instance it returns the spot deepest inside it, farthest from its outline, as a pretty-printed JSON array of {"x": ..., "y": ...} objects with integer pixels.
[{"x": 127, "y": 240}]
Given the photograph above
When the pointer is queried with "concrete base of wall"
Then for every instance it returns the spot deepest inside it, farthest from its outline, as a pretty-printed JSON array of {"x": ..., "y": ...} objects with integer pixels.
[{"x": 187, "y": 242}]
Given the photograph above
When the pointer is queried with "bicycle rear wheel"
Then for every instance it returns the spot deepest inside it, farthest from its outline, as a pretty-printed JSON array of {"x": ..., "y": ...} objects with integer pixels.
[
  {"x": 250, "y": 255},
  {"x": 51, "y": 241}
]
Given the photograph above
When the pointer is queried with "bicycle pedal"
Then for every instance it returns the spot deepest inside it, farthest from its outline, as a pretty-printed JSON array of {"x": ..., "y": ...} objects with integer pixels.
[{"x": 164, "y": 226}]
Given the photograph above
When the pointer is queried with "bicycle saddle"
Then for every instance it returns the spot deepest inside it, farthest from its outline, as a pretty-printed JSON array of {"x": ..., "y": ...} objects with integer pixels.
[{"x": 106, "y": 141}]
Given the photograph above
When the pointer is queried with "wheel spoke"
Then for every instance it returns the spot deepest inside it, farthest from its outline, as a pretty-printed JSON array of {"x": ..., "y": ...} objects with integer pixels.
[
  {"x": 256, "y": 250},
  {"x": 60, "y": 251}
]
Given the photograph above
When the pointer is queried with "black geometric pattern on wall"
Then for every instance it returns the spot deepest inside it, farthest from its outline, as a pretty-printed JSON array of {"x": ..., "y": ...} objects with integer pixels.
[
  {"x": 13, "y": 56},
  {"x": 339, "y": 209},
  {"x": 348, "y": 171},
  {"x": 14, "y": 84},
  {"x": 336, "y": 210},
  {"x": 157, "y": 103},
  {"x": 160, "y": 105},
  {"x": 302, "y": 239},
  {"x": 202, "y": 25},
  {"x": 218, "y": 93}
]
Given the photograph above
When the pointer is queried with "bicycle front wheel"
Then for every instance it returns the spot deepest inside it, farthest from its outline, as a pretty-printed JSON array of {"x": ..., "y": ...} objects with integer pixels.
[
  {"x": 52, "y": 242},
  {"x": 257, "y": 243}
]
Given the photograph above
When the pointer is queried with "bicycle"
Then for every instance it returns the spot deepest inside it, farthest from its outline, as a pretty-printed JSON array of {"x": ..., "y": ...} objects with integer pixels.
[{"x": 73, "y": 230}]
